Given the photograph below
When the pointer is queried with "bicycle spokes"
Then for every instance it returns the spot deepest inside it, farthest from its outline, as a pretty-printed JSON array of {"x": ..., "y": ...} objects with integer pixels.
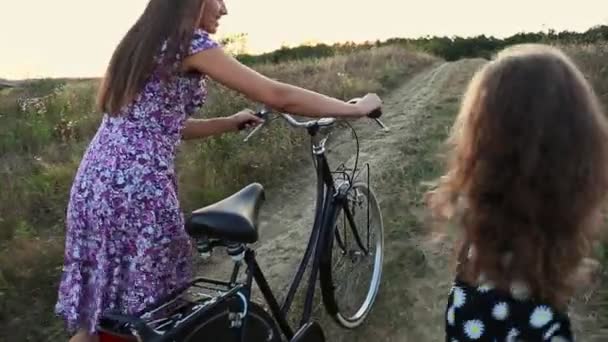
[{"x": 353, "y": 257}]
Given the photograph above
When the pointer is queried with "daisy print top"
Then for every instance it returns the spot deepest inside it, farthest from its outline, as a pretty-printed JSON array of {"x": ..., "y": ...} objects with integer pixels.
[{"x": 484, "y": 313}]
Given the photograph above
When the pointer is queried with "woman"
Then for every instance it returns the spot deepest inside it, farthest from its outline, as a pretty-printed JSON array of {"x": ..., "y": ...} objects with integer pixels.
[
  {"x": 527, "y": 175},
  {"x": 125, "y": 244}
]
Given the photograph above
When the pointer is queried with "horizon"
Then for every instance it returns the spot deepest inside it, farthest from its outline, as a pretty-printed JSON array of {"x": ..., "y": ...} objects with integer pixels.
[{"x": 84, "y": 53}]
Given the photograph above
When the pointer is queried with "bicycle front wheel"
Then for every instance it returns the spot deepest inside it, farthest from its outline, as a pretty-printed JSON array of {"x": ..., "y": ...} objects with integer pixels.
[{"x": 351, "y": 262}]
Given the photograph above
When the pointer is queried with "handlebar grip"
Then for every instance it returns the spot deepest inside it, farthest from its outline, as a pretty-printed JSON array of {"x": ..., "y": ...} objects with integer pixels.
[
  {"x": 375, "y": 114},
  {"x": 243, "y": 125}
]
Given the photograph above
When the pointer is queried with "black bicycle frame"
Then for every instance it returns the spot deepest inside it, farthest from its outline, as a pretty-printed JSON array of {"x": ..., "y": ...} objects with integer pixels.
[{"x": 328, "y": 204}]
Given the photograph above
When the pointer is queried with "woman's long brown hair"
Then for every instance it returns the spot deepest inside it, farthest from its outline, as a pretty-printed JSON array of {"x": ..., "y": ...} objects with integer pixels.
[
  {"x": 133, "y": 60},
  {"x": 527, "y": 171}
]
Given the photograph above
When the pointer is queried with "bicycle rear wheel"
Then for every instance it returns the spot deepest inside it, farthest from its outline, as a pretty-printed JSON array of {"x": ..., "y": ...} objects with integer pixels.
[
  {"x": 216, "y": 326},
  {"x": 351, "y": 262}
]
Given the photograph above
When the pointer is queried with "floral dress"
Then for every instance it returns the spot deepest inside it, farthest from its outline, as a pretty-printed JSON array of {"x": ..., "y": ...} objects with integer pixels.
[{"x": 126, "y": 246}]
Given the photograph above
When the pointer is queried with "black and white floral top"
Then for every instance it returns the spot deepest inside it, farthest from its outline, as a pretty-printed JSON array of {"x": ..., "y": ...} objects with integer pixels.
[{"x": 484, "y": 313}]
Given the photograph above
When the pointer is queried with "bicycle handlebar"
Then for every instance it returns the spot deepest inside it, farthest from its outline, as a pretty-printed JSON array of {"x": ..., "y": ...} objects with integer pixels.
[{"x": 322, "y": 122}]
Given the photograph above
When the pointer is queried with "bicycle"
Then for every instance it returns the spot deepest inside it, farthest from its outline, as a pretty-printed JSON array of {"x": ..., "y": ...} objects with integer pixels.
[{"x": 226, "y": 311}]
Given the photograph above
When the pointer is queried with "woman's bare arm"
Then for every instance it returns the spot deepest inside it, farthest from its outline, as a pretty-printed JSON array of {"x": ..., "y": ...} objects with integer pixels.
[{"x": 281, "y": 96}]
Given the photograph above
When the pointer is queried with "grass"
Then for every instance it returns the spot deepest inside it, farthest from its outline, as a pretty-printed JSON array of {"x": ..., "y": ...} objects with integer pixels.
[
  {"x": 41, "y": 145},
  {"x": 592, "y": 60}
]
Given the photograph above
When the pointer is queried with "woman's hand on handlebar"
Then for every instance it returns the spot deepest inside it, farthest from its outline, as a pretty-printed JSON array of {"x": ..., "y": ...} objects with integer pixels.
[
  {"x": 368, "y": 104},
  {"x": 245, "y": 119}
]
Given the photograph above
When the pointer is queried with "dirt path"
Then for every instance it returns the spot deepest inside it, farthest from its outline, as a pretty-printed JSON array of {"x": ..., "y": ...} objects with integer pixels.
[{"x": 416, "y": 277}]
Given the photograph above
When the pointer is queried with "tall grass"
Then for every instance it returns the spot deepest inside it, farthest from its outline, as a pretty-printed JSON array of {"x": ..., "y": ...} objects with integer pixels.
[{"x": 41, "y": 145}]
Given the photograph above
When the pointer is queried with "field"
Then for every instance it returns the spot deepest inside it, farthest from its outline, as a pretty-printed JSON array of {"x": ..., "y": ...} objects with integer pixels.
[{"x": 41, "y": 142}]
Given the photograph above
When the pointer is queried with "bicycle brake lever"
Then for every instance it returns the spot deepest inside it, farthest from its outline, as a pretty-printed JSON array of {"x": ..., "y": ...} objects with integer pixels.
[
  {"x": 383, "y": 126},
  {"x": 254, "y": 131},
  {"x": 262, "y": 114},
  {"x": 376, "y": 114}
]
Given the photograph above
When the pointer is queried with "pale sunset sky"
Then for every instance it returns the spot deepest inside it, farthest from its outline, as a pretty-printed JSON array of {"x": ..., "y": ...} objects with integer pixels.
[{"x": 75, "y": 38}]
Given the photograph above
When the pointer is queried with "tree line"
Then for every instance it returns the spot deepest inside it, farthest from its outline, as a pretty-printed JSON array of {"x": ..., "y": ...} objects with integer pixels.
[{"x": 449, "y": 48}]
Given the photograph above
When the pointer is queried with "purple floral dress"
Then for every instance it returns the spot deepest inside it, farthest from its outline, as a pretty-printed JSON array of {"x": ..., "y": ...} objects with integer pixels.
[{"x": 125, "y": 242}]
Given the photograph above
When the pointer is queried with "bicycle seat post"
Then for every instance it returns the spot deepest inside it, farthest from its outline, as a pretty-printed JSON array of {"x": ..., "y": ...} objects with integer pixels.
[
  {"x": 204, "y": 248},
  {"x": 237, "y": 253}
]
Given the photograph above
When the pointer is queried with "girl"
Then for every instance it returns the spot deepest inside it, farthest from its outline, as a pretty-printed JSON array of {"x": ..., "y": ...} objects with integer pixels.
[
  {"x": 125, "y": 242},
  {"x": 527, "y": 174}
]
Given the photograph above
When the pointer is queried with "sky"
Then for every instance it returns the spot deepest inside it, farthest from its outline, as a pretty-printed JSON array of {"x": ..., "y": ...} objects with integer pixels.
[{"x": 75, "y": 38}]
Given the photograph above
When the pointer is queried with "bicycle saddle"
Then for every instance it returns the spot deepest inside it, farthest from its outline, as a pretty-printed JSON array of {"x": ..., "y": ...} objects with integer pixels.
[{"x": 233, "y": 219}]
